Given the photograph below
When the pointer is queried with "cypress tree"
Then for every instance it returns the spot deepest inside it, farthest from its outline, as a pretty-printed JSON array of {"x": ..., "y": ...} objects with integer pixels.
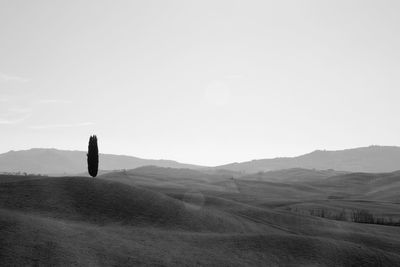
[{"x": 93, "y": 156}]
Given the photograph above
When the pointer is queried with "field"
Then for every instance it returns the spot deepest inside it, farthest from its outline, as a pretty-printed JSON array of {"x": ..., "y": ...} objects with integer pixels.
[{"x": 180, "y": 217}]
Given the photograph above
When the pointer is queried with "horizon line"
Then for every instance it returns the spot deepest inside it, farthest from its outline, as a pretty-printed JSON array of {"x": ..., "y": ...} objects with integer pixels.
[{"x": 201, "y": 165}]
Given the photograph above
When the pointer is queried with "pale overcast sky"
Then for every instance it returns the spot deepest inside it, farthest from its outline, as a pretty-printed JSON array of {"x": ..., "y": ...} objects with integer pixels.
[{"x": 205, "y": 82}]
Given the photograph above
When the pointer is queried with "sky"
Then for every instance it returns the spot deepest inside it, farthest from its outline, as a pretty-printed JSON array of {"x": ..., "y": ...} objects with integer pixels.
[{"x": 202, "y": 82}]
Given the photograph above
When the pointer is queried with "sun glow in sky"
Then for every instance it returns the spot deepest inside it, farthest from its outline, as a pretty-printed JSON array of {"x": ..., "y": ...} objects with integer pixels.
[{"x": 204, "y": 82}]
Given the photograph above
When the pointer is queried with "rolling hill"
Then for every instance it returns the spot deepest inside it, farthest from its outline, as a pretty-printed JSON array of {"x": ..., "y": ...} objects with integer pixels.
[
  {"x": 54, "y": 161},
  {"x": 366, "y": 186},
  {"x": 79, "y": 221},
  {"x": 291, "y": 175},
  {"x": 366, "y": 159},
  {"x": 61, "y": 162},
  {"x": 164, "y": 178},
  {"x": 104, "y": 202}
]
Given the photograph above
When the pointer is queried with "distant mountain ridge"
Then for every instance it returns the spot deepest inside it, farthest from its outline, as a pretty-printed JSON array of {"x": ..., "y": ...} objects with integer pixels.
[
  {"x": 54, "y": 161},
  {"x": 376, "y": 159},
  {"x": 365, "y": 159}
]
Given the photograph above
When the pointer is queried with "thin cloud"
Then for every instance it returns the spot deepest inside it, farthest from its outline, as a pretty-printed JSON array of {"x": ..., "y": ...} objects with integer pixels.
[
  {"x": 64, "y": 125},
  {"x": 14, "y": 119},
  {"x": 11, "y": 78},
  {"x": 13, "y": 115},
  {"x": 19, "y": 110},
  {"x": 54, "y": 101},
  {"x": 7, "y": 121}
]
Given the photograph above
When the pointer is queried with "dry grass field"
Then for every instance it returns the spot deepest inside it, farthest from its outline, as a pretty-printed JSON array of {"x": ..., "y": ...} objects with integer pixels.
[{"x": 179, "y": 217}]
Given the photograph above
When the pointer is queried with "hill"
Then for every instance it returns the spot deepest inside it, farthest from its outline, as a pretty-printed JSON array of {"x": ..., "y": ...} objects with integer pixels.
[
  {"x": 80, "y": 221},
  {"x": 99, "y": 201},
  {"x": 54, "y": 161},
  {"x": 164, "y": 178},
  {"x": 375, "y": 159},
  {"x": 291, "y": 175},
  {"x": 367, "y": 159},
  {"x": 366, "y": 186}
]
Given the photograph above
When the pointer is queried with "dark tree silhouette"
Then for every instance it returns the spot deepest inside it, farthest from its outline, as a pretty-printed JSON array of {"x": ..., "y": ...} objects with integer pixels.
[{"x": 93, "y": 156}]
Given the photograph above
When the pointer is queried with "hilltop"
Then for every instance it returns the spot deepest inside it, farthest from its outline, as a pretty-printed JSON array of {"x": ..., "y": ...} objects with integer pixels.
[
  {"x": 65, "y": 162},
  {"x": 55, "y": 161},
  {"x": 366, "y": 159},
  {"x": 291, "y": 175}
]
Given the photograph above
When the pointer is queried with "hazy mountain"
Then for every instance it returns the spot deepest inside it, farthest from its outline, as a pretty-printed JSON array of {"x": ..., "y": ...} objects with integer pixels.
[
  {"x": 366, "y": 159},
  {"x": 54, "y": 161}
]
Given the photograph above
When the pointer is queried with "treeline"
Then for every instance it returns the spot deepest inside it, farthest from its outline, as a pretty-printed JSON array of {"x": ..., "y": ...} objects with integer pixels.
[
  {"x": 364, "y": 216},
  {"x": 355, "y": 215}
]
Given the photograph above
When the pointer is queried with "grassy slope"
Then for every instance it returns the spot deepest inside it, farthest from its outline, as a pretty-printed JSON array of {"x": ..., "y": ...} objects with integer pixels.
[
  {"x": 102, "y": 202},
  {"x": 291, "y": 175},
  {"x": 31, "y": 240},
  {"x": 161, "y": 178},
  {"x": 83, "y": 221}
]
